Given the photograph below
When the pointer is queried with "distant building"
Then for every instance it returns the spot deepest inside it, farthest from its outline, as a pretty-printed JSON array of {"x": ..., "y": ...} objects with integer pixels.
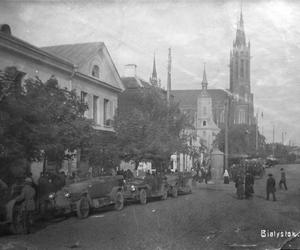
[
  {"x": 153, "y": 78},
  {"x": 239, "y": 96}
]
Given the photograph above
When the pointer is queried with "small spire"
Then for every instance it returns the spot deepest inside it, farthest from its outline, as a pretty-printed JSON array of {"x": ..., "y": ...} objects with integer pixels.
[
  {"x": 154, "y": 73},
  {"x": 204, "y": 81}
]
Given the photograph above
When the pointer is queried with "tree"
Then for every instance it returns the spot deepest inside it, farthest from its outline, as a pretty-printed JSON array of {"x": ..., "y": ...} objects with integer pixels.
[
  {"x": 241, "y": 140},
  {"x": 147, "y": 128},
  {"x": 39, "y": 119}
]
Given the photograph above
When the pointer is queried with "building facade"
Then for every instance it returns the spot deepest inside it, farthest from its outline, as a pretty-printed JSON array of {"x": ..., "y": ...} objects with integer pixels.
[{"x": 87, "y": 68}]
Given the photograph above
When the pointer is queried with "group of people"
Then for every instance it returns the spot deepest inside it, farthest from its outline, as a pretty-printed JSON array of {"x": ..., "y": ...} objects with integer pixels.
[{"x": 244, "y": 183}]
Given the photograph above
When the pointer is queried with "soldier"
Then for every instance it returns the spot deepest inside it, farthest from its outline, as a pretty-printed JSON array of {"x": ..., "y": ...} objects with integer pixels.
[
  {"x": 27, "y": 197},
  {"x": 239, "y": 184},
  {"x": 249, "y": 182},
  {"x": 271, "y": 188},
  {"x": 282, "y": 179}
]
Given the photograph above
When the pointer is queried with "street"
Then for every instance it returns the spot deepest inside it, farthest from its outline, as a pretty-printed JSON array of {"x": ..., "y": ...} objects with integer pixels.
[{"x": 210, "y": 218}]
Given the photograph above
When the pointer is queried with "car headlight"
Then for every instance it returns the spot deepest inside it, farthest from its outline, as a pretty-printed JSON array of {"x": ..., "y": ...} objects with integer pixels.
[
  {"x": 67, "y": 195},
  {"x": 132, "y": 188},
  {"x": 51, "y": 196}
]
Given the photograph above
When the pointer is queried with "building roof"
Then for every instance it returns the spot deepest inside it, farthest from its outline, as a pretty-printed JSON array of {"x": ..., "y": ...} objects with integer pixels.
[
  {"x": 188, "y": 97},
  {"x": 80, "y": 53},
  {"x": 75, "y": 53},
  {"x": 134, "y": 82}
]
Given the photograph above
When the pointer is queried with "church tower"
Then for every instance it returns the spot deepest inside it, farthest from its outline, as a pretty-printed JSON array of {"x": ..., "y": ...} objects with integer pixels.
[
  {"x": 206, "y": 127},
  {"x": 153, "y": 78},
  {"x": 240, "y": 87}
]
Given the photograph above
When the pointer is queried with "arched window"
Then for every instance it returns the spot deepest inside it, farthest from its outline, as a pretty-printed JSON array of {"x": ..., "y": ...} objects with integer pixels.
[
  {"x": 95, "y": 71},
  {"x": 204, "y": 123},
  {"x": 204, "y": 110}
]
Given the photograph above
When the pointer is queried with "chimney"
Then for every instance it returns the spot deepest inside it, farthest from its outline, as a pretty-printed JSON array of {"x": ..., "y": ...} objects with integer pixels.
[
  {"x": 5, "y": 29},
  {"x": 130, "y": 70}
]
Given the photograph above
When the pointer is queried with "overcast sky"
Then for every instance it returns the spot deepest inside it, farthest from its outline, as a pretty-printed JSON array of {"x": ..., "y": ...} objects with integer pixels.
[{"x": 197, "y": 32}]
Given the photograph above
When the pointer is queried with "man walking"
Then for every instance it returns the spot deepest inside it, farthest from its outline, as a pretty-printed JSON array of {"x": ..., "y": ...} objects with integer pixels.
[
  {"x": 271, "y": 188},
  {"x": 249, "y": 182},
  {"x": 282, "y": 179}
]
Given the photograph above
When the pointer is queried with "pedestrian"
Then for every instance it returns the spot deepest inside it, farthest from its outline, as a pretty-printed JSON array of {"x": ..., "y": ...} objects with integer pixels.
[
  {"x": 226, "y": 177},
  {"x": 239, "y": 186},
  {"x": 282, "y": 179},
  {"x": 249, "y": 182},
  {"x": 28, "y": 205},
  {"x": 271, "y": 188}
]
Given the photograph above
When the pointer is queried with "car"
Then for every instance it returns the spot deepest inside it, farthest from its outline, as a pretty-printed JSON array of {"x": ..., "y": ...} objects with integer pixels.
[
  {"x": 92, "y": 193},
  {"x": 179, "y": 183},
  {"x": 142, "y": 189}
]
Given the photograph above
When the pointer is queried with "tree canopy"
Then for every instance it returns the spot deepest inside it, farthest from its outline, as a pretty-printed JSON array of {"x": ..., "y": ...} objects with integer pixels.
[
  {"x": 147, "y": 128},
  {"x": 39, "y": 119}
]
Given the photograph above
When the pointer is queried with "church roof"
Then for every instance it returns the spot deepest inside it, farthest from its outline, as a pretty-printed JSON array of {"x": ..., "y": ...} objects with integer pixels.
[{"x": 188, "y": 97}]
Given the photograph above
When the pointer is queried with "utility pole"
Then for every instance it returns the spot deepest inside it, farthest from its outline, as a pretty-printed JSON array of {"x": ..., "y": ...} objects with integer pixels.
[
  {"x": 169, "y": 77},
  {"x": 256, "y": 134},
  {"x": 226, "y": 131},
  {"x": 273, "y": 139}
]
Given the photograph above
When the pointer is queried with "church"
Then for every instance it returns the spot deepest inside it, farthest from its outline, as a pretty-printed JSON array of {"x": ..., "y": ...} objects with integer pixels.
[{"x": 206, "y": 107}]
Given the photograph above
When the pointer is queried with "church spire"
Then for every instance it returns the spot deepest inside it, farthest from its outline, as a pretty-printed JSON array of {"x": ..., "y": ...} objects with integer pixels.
[
  {"x": 153, "y": 78},
  {"x": 154, "y": 73},
  {"x": 240, "y": 39},
  {"x": 204, "y": 80}
]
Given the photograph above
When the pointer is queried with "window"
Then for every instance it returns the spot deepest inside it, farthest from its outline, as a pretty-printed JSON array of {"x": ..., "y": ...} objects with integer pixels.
[
  {"x": 204, "y": 110},
  {"x": 204, "y": 123},
  {"x": 242, "y": 68},
  {"x": 222, "y": 120},
  {"x": 96, "y": 71},
  {"x": 83, "y": 96},
  {"x": 95, "y": 109},
  {"x": 242, "y": 117},
  {"x": 247, "y": 69},
  {"x": 107, "y": 114}
]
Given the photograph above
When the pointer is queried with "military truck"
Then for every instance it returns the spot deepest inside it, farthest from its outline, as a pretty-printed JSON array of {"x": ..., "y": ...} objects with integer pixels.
[
  {"x": 85, "y": 195},
  {"x": 142, "y": 189}
]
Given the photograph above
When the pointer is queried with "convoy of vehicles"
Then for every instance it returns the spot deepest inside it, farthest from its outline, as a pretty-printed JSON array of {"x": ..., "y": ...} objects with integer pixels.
[{"x": 88, "y": 194}]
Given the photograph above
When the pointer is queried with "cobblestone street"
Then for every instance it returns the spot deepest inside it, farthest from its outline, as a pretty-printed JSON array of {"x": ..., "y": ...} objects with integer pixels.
[{"x": 210, "y": 218}]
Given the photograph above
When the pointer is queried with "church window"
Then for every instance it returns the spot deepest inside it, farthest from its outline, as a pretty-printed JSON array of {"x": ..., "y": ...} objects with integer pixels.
[
  {"x": 236, "y": 69},
  {"x": 204, "y": 123},
  {"x": 96, "y": 71},
  {"x": 247, "y": 69},
  {"x": 242, "y": 68},
  {"x": 242, "y": 117},
  {"x": 204, "y": 110},
  {"x": 222, "y": 120}
]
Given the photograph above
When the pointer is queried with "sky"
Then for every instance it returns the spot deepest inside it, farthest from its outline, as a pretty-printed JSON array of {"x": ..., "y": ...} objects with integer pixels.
[{"x": 198, "y": 32}]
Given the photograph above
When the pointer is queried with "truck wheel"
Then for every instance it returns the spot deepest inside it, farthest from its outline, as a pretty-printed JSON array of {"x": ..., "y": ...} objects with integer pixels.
[
  {"x": 174, "y": 192},
  {"x": 119, "y": 201},
  {"x": 83, "y": 208},
  {"x": 143, "y": 196},
  {"x": 19, "y": 223},
  {"x": 164, "y": 194}
]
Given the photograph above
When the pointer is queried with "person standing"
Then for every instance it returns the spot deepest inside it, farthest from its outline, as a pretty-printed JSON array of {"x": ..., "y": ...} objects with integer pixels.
[
  {"x": 240, "y": 187},
  {"x": 282, "y": 179},
  {"x": 271, "y": 187},
  {"x": 226, "y": 177},
  {"x": 249, "y": 182},
  {"x": 28, "y": 205}
]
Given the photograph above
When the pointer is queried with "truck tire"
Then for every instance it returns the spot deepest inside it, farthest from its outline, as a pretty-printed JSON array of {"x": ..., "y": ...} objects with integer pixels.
[
  {"x": 119, "y": 201},
  {"x": 82, "y": 208},
  {"x": 174, "y": 192},
  {"x": 19, "y": 224},
  {"x": 143, "y": 196},
  {"x": 164, "y": 194}
]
